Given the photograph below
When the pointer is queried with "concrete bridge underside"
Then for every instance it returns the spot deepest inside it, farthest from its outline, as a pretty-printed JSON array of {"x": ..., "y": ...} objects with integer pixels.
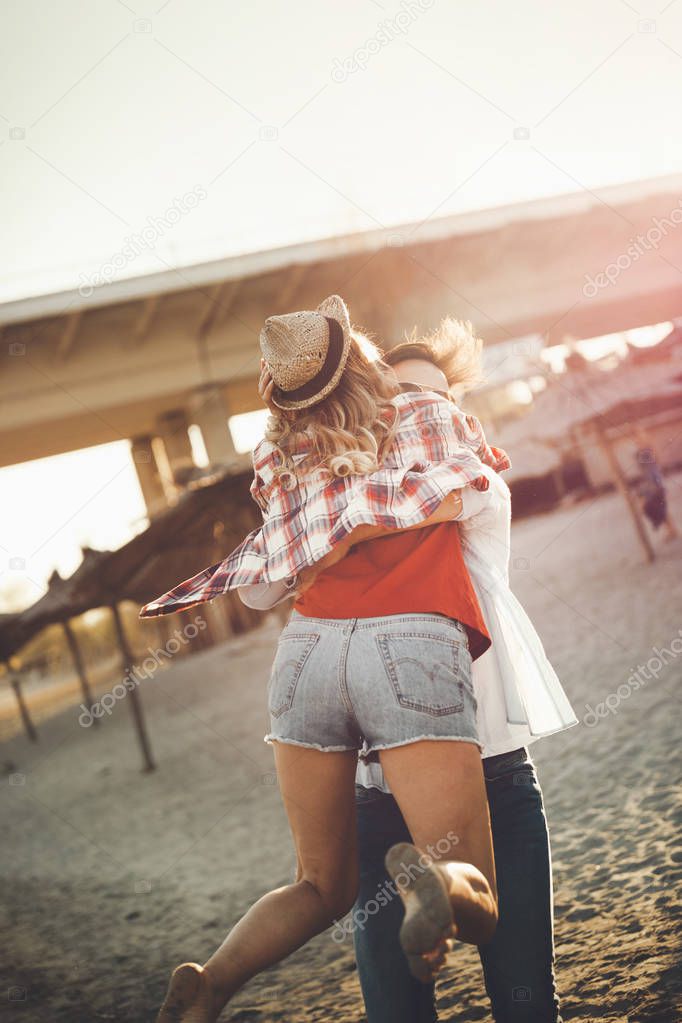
[{"x": 144, "y": 358}]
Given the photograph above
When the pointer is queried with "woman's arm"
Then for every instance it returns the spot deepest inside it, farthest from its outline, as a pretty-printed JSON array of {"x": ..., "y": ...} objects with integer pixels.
[
  {"x": 449, "y": 509},
  {"x": 263, "y": 596}
]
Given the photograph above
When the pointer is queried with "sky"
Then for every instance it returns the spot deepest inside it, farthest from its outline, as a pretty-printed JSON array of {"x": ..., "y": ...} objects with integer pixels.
[
  {"x": 307, "y": 119},
  {"x": 219, "y": 129}
]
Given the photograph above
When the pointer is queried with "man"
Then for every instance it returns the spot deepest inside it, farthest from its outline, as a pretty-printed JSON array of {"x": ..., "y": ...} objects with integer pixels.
[{"x": 518, "y": 962}]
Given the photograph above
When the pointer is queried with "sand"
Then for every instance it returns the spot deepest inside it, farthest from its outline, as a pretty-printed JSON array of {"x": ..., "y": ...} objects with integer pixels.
[{"x": 110, "y": 876}]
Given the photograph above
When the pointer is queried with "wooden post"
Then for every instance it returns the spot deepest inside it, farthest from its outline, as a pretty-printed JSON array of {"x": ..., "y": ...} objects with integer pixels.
[
  {"x": 79, "y": 666},
  {"x": 135, "y": 702},
  {"x": 622, "y": 485},
  {"x": 15, "y": 682}
]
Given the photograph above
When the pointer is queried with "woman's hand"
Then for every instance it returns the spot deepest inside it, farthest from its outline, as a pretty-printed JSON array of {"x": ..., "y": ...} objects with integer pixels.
[
  {"x": 265, "y": 388},
  {"x": 450, "y": 508}
]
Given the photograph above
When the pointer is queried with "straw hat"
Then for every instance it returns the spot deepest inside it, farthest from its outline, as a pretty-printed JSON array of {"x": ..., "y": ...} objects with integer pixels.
[{"x": 306, "y": 352}]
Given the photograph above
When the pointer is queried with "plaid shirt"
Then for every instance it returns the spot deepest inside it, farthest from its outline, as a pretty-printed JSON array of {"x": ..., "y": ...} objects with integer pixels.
[{"x": 436, "y": 449}]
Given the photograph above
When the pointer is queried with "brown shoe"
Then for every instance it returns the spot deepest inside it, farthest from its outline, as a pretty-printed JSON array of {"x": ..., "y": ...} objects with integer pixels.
[{"x": 189, "y": 998}]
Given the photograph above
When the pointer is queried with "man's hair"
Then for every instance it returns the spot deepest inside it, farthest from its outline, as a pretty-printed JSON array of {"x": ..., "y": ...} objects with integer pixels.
[{"x": 453, "y": 347}]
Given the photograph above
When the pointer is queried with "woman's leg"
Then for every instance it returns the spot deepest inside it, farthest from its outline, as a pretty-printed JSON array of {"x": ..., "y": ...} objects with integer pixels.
[
  {"x": 318, "y": 790},
  {"x": 319, "y": 797},
  {"x": 440, "y": 789}
]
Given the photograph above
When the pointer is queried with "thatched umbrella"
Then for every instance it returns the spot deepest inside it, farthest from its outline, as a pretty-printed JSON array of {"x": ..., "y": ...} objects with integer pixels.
[
  {"x": 59, "y": 604},
  {"x": 177, "y": 543},
  {"x": 55, "y": 606},
  {"x": 13, "y": 634},
  {"x": 206, "y": 522}
]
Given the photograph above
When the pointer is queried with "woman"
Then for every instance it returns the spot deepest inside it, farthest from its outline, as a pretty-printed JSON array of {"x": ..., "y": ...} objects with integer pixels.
[
  {"x": 392, "y": 679},
  {"x": 519, "y": 699}
]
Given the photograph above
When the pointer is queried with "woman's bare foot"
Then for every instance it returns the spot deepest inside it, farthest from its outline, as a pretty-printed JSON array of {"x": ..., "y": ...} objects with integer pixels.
[
  {"x": 428, "y": 926},
  {"x": 190, "y": 997}
]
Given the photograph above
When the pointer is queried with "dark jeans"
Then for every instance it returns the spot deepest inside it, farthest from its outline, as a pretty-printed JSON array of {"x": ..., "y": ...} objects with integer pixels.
[{"x": 518, "y": 962}]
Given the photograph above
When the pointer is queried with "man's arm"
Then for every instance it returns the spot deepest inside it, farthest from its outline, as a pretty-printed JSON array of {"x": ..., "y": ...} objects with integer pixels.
[{"x": 264, "y": 596}]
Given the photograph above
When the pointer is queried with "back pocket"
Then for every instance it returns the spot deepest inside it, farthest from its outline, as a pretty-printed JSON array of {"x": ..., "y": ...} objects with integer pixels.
[
  {"x": 424, "y": 671},
  {"x": 292, "y": 653}
]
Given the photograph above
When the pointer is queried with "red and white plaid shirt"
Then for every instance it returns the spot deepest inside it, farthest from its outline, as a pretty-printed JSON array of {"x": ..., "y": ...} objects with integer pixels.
[{"x": 436, "y": 449}]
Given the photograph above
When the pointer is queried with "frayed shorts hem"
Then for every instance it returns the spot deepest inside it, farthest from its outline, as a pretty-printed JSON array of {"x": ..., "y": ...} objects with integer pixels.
[
  {"x": 270, "y": 739},
  {"x": 365, "y": 752}
]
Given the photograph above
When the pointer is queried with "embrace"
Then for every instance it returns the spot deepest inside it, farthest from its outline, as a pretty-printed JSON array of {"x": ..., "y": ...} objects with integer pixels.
[{"x": 406, "y": 686}]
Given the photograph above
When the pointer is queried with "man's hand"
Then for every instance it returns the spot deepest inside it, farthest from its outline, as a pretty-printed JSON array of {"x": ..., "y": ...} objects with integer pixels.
[{"x": 450, "y": 508}]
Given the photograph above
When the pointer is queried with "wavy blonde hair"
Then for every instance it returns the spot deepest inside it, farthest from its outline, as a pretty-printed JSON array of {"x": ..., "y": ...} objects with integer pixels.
[
  {"x": 347, "y": 431},
  {"x": 453, "y": 347}
]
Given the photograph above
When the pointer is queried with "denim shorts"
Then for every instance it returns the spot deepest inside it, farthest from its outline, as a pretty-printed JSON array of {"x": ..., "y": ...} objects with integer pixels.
[{"x": 369, "y": 684}]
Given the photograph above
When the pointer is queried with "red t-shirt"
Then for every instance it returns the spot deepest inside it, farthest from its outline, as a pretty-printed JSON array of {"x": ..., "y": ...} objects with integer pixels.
[{"x": 421, "y": 571}]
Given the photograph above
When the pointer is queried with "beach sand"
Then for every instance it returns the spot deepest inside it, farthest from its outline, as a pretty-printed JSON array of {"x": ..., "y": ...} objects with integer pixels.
[{"x": 110, "y": 876}]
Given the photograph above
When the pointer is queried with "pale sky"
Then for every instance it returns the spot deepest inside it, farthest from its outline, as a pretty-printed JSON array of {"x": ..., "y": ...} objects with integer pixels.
[
  {"x": 289, "y": 121},
  {"x": 305, "y": 119}
]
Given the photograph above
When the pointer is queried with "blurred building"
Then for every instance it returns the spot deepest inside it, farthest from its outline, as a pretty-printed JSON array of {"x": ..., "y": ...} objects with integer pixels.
[{"x": 552, "y": 436}]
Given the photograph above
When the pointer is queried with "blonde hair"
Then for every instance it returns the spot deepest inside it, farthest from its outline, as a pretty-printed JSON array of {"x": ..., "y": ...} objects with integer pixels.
[
  {"x": 347, "y": 431},
  {"x": 453, "y": 347}
]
